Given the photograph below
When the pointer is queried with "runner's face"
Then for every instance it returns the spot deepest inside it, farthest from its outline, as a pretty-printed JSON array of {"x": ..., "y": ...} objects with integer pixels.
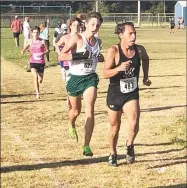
[
  {"x": 92, "y": 26},
  {"x": 35, "y": 34},
  {"x": 128, "y": 36},
  {"x": 75, "y": 27}
]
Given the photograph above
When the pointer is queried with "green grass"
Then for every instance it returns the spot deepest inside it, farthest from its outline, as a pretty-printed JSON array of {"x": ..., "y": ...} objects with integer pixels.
[
  {"x": 13, "y": 54},
  {"x": 10, "y": 53},
  {"x": 42, "y": 125},
  {"x": 178, "y": 132}
]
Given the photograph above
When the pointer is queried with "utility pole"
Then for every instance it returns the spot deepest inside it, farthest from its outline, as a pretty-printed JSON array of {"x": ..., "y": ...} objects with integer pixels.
[
  {"x": 96, "y": 5},
  {"x": 138, "y": 13},
  {"x": 164, "y": 11}
]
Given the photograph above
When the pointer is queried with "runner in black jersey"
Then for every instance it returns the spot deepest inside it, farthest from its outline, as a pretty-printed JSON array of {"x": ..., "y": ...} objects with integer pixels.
[{"x": 122, "y": 66}]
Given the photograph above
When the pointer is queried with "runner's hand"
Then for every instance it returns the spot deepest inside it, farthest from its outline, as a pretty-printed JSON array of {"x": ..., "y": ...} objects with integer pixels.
[
  {"x": 125, "y": 66},
  {"x": 147, "y": 82},
  {"x": 100, "y": 58},
  {"x": 81, "y": 55}
]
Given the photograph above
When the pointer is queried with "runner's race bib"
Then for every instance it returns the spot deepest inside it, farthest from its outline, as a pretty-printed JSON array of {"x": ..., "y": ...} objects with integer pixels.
[
  {"x": 37, "y": 56},
  {"x": 89, "y": 66},
  {"x": 128, "y": 85}
]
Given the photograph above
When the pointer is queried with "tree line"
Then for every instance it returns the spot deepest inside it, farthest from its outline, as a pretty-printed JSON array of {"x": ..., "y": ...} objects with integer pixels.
[{"x": 104, "y": 6}]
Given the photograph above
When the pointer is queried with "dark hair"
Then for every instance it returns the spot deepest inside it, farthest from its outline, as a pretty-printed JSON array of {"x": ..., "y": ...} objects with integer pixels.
[
  {"x": 44, "y": 24},
  {"x": 120, "y": 28},
  {"x": 70, "y": 22},
  {"x": 73, "y": 20},
  {"x": 94, "y": 15},
  {"x": 35, "y": 28},
  {"x": 59, "y": 23}
]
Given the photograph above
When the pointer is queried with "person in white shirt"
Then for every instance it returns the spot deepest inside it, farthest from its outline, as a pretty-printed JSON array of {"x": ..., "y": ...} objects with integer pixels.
[
  {"x": 26, "y": 30},
  {"x": 44, "y": 34},
  {"x": 83, "y": 52}
]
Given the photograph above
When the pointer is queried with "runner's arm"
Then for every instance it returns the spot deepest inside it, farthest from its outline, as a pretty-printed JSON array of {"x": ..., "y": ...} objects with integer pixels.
[
  {"x": 12, "y": 25},
  {"x": 108, "y": 70},
  {"x": 145, "y": 64},
  {"x": 45, "y": 47},
  {"x": 69, "y": 46},
  {"x": 59, "y": 43},
  {"x": 26, "y": 46},
  {"x": 64, "y": 55},
  {"x": 145, "y": 61}
]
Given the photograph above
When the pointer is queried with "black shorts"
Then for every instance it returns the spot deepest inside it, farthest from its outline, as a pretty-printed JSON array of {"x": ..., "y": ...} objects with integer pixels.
[
  {"x": 172, "y": 27},
  {"x": 47, "y": 43},
  {"x": 116, "y": 103},
  {"x": 38, "y": 66},
  {"x": 16, "y": 35}
]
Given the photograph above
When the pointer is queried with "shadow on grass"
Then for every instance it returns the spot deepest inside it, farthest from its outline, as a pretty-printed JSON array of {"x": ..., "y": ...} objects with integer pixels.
[
  {"x": 174, "y": 161},
  {"x": 162, "y": 108},
  {"x": 142, "y": 89},
  {"x": 21, "y": 95},
  {"x": 161, "y": 152},
  {"x": 155, "y": 59},
  {"x": 32, "y": 101},
  {"x": 156, "y": 144},
  {"x": 54, "y": 165},
  {"x": 149, "y": 88},
  {"x": 87, "y": 161},
  {"x": 168, "y": 164},
  {"x": 172, "y": 186},
  {"x": 172, "y": 75}
]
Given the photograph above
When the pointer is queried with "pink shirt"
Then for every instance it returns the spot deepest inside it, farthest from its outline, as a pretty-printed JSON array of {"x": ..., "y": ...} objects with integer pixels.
[
  {"x": 16, "y": 26},
  {"x": 66, "y": 63},
  {"x": 36, "y": 50}
]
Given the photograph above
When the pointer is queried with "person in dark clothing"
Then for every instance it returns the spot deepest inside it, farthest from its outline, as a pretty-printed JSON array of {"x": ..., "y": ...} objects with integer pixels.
[
  {"x": 122, "y": 66},
  {"x": 172, "y": 25}
]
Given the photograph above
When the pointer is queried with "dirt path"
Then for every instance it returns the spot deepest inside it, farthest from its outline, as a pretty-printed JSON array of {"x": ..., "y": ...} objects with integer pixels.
[{"x": 42, "y": 127}]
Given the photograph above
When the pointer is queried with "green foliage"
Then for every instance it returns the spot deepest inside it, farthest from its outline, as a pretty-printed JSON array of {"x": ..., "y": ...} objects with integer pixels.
[
  {"x": 157, "y": 8},
  {"x": 104, "y": 6},
  {"x": 176, "y": 132},
  {"x": 8, "y": 45}
]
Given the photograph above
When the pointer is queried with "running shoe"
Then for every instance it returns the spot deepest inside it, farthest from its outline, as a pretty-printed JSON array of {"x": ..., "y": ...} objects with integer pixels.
[
  {"x": 87, "y": 151},
  {"x": 112, "y": 160},
  {"x": 37, "y": 95},
  {"x": 73, "y": 134},
  {"x": 130, "y": 156}
]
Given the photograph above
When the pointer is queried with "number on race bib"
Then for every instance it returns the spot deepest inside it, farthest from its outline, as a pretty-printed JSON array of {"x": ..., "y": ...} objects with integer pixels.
[
  {"x": 128, "y": 85},
  {"x": 87, "y": 65},
  {"x": 37, "y": 56}
]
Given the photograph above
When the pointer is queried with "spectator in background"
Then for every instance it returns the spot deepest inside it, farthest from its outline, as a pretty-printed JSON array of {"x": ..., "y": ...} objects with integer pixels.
[
  {"x": 44, "y": 34},
  {"x": 172, "y": 25},
  {"x": 181, "y": 23},
  {"x": 57, "y": 31},
  {"x": 16, "y": 28},
  {"x": 26, "y": 30},
  {"x": 26, "y": 33}
]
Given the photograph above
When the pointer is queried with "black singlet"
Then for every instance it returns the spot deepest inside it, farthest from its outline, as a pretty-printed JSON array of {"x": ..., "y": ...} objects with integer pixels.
[{"x": 127, "y": 78}]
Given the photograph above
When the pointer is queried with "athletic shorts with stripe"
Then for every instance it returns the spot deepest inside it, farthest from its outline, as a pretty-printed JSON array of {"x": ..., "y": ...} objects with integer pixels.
[
  {"x": 116, "y": 102},
  {"x": 76, "y": 85}
]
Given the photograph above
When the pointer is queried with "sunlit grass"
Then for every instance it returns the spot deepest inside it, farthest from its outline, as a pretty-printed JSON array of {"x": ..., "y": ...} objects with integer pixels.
[{"x": 36, "y": 149}]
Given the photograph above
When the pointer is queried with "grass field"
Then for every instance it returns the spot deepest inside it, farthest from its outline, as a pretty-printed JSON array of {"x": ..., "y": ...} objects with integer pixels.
[{"x": 35, "y": 148}]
